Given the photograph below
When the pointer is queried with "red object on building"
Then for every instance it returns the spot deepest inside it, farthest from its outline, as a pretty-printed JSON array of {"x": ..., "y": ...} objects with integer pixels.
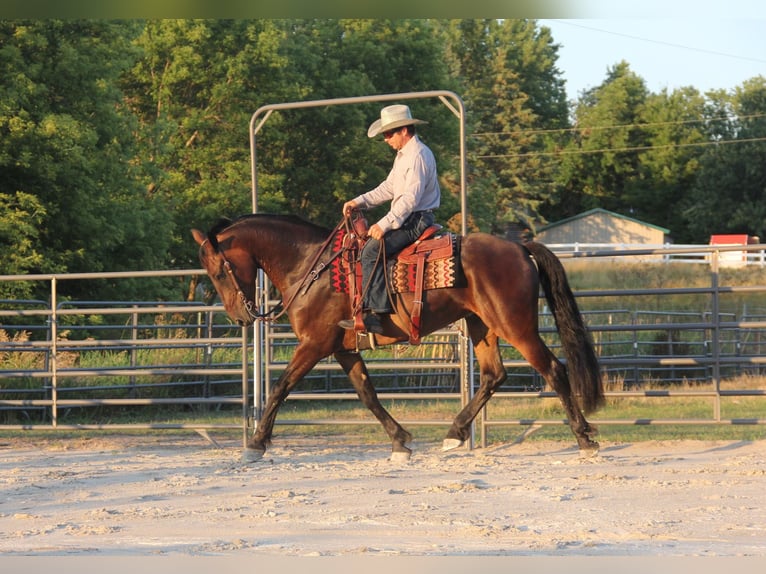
[{"x": 733, "y": 258}]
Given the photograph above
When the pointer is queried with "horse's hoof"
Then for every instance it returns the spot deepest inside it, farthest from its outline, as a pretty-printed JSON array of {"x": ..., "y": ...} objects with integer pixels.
[
  {"x": 251, "y": 455},
  {"x": 590, "y": 451},
  {"x": 400, "y": 456},
  {"x": 451, "y": 444}
]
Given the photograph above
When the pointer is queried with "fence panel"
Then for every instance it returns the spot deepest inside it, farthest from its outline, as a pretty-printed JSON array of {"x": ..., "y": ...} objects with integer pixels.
[{"x": 58, "y": 359}]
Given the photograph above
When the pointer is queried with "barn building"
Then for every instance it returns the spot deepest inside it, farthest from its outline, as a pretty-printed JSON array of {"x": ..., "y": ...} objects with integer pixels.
[{"x": 600, "y": 226}]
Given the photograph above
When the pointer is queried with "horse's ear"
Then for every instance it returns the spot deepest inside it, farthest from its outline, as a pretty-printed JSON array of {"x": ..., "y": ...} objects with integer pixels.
[{"x": 199, "y": 237}]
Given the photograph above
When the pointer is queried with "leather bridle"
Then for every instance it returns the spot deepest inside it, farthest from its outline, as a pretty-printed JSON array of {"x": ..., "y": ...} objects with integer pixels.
[{"x": 280, "y": 309}]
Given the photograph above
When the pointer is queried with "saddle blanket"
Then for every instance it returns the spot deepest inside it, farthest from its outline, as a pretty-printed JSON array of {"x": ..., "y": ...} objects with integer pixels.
[{"x": 440, "y": 272}]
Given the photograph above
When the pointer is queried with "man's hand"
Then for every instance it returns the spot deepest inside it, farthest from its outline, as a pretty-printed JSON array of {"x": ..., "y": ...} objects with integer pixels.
[
  {"x": 375, "y": 232},
  {"x": 348, "y": 207}
]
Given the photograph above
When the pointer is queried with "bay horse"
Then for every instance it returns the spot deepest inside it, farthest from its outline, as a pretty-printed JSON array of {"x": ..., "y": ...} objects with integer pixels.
[{"x": 497, "y": 299}]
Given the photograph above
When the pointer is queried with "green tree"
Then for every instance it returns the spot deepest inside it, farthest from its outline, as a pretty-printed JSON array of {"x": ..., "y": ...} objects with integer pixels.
[
  {"x": 600, "y": 165},
  {"x": 192, "y": 92},
  {"x": 514, "y": 94},
  {"x": 20, "y": 217},
  {"x": 674, "y": 127},
  {"x": 65, "y": 141},
  {"x": 327, "y": 157},
  {"x": 729, "y": 195},
  {"x": 200, "y": 81}
]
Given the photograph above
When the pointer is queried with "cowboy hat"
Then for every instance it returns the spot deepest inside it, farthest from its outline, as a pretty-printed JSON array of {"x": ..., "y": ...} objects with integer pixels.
[{"x": 392, "y": 117}]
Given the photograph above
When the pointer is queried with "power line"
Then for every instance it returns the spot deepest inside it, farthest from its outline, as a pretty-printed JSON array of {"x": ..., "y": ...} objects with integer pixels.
[
  {"x": 663, "y": 43},
  {"x": 617, "y": 126},
  {"x": 614, "y": 150}
]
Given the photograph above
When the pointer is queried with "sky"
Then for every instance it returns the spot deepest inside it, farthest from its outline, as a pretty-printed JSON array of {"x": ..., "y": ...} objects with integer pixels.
[{"x": 707, "y": 52}]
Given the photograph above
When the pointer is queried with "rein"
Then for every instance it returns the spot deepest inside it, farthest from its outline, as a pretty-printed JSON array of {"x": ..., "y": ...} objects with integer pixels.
[{"x": 315, "y": 269}]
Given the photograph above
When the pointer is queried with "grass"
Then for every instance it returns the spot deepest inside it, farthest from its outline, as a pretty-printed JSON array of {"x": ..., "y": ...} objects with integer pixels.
[
  {"x": 594, "y": 275},
  {"x": 413, "y": 415},
  {"x": 428, "y": 420}
]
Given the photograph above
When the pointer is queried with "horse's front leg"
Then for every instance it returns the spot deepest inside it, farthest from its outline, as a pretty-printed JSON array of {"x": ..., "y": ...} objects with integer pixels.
[
  {"x": 493, "y": 374},
  {"x": 356, "y": 370},
  {"x": 302, "y": 362}
]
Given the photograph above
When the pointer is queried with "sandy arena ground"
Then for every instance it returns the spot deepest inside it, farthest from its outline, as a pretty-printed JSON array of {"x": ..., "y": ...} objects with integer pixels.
[{"x": 171, "y": 495}]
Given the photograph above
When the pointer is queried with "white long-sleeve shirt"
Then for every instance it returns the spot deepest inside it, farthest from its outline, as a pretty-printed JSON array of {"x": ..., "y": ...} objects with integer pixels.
[{"x": 412, "y": 185}]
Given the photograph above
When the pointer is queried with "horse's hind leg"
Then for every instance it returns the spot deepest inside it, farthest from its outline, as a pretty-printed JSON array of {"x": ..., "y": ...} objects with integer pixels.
[
  {"x": 555, "y": 374},
  {"x": 492, "y": 375},
  {"x": 356, "y": 370}
]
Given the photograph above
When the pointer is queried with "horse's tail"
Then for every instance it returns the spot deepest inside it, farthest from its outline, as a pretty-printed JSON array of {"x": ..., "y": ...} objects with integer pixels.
[{"x": 582, "y": 364}]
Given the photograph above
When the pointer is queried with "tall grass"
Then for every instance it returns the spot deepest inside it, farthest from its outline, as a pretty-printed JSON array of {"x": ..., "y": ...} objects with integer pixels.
[{"x": 587, "y": 275}]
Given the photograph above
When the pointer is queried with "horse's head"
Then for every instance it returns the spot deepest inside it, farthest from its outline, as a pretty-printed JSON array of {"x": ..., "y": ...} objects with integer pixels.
[{"x": 231, "y": 269}]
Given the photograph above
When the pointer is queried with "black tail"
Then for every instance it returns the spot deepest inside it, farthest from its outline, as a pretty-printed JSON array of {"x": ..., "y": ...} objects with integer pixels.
[{"x": 582, "y": 364}]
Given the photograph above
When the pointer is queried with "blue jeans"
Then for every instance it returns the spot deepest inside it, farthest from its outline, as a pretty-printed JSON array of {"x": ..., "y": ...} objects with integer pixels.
[{"x": 376, "y": 296}]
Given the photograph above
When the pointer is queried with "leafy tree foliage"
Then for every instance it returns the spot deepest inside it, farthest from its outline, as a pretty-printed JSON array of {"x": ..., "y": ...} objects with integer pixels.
[
  {"x": 729, "y": 193},
  {"x": 513, "y": 93},
  {"x": 199, "y": 83},
  {"x": 601, "y": 165},
  {"x": 66, "y": 155},
  {"x": 20, "y": 217},
  {"x": 668, "y": 161},
  {"x": 191, "y": 92}
]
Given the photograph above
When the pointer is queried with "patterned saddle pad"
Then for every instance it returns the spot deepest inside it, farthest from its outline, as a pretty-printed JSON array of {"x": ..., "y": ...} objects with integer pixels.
[
  {"x": 441, "y": 256},
  {"x": 442, "y": 265}
]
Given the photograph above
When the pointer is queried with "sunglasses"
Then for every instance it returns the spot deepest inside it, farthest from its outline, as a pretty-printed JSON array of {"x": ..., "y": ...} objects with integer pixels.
[{"x": 390, "y": 133}]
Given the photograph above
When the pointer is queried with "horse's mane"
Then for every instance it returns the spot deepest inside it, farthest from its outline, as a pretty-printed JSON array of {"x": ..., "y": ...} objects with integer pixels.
[
  {"x": 212, "y": 234},
  {"x": 225, "y": 223}
]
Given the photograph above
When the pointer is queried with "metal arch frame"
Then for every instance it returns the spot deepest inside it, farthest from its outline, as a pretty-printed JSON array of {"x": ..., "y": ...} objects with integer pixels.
[
  {"x": 455, "y": 104},
  {"x": 443, "y": 95}
]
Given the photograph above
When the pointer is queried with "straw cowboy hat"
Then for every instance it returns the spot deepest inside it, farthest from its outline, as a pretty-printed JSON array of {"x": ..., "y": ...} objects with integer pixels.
[{"x": 392, "y": 117}]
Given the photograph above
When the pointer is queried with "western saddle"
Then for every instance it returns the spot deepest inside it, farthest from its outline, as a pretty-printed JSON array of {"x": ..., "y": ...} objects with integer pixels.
[{"x": 428, "y": 247}]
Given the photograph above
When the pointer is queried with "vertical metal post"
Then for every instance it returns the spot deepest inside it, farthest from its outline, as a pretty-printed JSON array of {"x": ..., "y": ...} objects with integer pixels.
[
  {"x": 245, "y": 389},
  {"x": 259, "y": 376},
  {"x": 208, "y": 353},
  {"x": 636, "y": 353},
  {"x": 54, "y": 354},
  {"x": 133, "y": 352},
  {"x": 466, "y": 354},
  {"x": 716, "y": 338}
]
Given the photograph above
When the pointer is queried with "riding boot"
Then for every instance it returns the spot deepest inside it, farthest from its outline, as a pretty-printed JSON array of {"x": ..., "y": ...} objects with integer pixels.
[{"x": 371, "y": 322}]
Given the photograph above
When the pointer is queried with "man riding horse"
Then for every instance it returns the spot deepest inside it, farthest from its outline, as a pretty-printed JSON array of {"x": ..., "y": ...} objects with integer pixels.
[
  {"x": 497, "y": 297},
  {"x": 412, "y": 187}
]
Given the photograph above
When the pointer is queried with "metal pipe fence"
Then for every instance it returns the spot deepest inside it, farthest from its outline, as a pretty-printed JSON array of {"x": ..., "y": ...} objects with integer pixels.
[
  {"x": 59, "y": 355},
  {"x": 152, "y": 356}
]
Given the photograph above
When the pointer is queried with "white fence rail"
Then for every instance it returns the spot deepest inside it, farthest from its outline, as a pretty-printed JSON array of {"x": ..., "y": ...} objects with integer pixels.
[{"x": 723, "y": 255}]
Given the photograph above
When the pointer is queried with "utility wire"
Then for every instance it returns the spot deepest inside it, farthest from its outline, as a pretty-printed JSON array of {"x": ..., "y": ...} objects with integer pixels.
[
  {"x": 617, "y": 126},
  {"x": 614, "y": 150},
  {"x": 663, "y": 43}
]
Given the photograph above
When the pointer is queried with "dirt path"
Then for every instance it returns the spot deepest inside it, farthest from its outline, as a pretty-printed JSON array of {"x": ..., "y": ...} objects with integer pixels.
[{"x": 183, "y": 496}]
